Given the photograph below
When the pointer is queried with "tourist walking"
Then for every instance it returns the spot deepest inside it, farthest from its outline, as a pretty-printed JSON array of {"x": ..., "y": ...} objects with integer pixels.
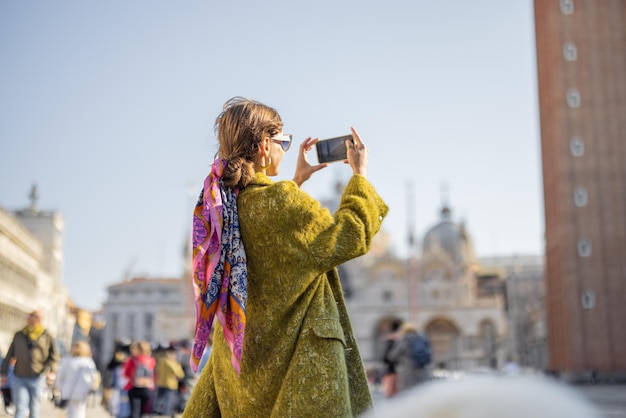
[
  {"x": 77, "y": 378},
  {"x": 36, "y": 359}
]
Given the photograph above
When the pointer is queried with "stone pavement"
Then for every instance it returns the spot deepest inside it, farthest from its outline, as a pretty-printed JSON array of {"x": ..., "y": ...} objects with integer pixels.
[
  {"x": 610, "y": 399},
  {"x": 94, "y": 410}
]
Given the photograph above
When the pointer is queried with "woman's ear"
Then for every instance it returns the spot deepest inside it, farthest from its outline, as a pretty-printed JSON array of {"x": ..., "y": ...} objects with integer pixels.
[{"x": 264, "y": 146}]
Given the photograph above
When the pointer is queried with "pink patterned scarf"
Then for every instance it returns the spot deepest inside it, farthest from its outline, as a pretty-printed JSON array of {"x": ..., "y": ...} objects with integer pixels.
[{"x": 219, "y": 267}]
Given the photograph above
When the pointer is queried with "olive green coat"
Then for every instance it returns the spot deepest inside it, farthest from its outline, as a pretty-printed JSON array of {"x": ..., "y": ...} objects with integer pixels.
[{"x": 300, "y": 357}]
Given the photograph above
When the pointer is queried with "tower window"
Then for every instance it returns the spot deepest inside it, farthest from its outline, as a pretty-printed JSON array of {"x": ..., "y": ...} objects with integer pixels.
[
  {"x": 588, "y": 299},
  {"x": 576, "y": 146},
  {"x": 580, "y": 197},
  {"x": 567, "y": 7},
  {"x": 584, "y": 247},
  {"x": 573, "y": 98},
  {"x": 569, "y": 51}
]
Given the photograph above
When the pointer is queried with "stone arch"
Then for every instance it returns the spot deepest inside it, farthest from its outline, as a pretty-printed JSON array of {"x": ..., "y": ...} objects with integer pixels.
[{"x": 444, "y": 335}]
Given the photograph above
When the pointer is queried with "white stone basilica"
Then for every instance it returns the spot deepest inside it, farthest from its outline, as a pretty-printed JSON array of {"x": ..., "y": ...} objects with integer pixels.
[
  {"x": 460, "y": 308},
  {"x": 447, "y": 293}
]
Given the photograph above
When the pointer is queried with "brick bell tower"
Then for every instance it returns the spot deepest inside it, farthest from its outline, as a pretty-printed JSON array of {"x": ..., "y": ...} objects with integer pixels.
[{"x": 581, "y": 67}]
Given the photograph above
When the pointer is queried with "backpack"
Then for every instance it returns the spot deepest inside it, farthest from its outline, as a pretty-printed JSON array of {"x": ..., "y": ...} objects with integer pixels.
[
  {"x": 144, "y": 376},
  {"x": 419, "y": 350}
]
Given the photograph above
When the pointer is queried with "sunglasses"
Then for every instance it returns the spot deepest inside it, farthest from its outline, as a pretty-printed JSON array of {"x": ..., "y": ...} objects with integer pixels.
[{"x": 283, "y": 140}]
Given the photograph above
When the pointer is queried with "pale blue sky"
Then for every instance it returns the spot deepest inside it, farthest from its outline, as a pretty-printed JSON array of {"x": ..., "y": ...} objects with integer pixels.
[{"x": 109, "y": 108}]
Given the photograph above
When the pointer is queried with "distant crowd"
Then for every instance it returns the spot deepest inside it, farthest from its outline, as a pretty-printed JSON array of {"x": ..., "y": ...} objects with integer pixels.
[{"x": 139, "y": 380}]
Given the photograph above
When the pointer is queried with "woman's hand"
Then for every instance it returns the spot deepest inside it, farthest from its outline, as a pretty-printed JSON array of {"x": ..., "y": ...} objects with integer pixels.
[
  {"x": 357, "y": 154},
  {"x": 304, "y": 169}
]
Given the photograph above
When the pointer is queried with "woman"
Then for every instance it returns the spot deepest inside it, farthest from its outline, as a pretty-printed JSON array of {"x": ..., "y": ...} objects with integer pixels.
[
  {"x": 118, "y": 404},
  {"x": 169, "y": 374},
  {"x": 139, "y": 370},
  {"x": 389, "y": 380},
  {"x": 265, "y": 258},
  {"x": 6, "y": 386},
  {"x": 408, "y": 372},
  {"x": 77, "y": 376}
]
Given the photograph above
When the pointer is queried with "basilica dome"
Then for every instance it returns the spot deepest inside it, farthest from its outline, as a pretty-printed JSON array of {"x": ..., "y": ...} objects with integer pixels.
[{"x": 448, "y": 238}]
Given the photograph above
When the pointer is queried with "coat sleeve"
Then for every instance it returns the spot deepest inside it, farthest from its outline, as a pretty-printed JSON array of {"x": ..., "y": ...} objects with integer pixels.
[
  {"x": 349, "y": 232},
  {"x": 129, "y": 369},
  {"x": 52, "y": 361}
]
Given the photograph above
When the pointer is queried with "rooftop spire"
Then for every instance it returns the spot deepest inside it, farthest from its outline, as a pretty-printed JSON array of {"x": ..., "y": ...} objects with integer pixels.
[{"x": 34, "y": 196}]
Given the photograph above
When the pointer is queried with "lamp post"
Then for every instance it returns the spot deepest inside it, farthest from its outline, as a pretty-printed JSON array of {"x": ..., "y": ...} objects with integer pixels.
[{"x": 410, "y": 262}]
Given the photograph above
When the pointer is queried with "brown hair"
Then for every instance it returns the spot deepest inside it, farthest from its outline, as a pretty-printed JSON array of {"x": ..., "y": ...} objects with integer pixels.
[
  {"x": 407, "y": 327},
  {"x": 240, "y": 128},
  {"x": 142, "y": 347}
]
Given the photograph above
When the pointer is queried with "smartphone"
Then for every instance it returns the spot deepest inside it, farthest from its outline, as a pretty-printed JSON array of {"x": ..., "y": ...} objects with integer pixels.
[{"x": 332, "y": 149}]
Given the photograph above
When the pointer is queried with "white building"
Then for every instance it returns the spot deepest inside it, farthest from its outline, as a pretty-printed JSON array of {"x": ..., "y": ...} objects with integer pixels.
[
  {"x": 31, "y": 256},
  {"x": 525, "y": 307},
  {"x": 461, "y": 308},
  {"x": 157, "y": 310}
]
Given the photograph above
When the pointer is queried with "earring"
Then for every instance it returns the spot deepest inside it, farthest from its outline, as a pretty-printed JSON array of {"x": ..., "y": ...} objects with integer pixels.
[{"x": 265, "y": 167}]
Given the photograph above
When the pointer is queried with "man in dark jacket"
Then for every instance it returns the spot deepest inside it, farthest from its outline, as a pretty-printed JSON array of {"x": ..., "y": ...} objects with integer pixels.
[{"x": 36, "y": 356}]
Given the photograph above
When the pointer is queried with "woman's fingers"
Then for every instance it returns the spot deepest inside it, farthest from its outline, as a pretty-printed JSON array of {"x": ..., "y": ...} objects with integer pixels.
[{"x": 357, "y": 139}]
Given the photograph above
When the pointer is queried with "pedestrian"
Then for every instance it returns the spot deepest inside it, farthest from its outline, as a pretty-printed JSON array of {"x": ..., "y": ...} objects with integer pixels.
[
  {"x": 389, "y": 379},
  {"x": 169, "y": 374},
  {"x": 77, "y": 378},
  {"x": 189, "y": 381},
  {"x": 139, "y": 370},
  {"x": 265, "y": 258},
  {"x": 511, "y": 368},
  {"x": 36, "y": 359},
  {"x": 7, "y": 390},
  {"x": 409, "y": 370},
  {"x": 114, "y": 392}
]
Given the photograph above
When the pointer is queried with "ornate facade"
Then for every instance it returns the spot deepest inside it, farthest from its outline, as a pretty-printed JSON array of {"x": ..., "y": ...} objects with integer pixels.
[
  {"x": 461, "y": 310},
  {"x": 460, "y": 302}
]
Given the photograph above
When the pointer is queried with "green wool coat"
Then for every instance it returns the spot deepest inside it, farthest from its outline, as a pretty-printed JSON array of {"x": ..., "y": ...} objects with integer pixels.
[{"x": 300, "y": 357}]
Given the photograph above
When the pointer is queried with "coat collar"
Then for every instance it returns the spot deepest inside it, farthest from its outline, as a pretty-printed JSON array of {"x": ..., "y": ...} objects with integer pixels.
[{"x": 260, "y": 179}]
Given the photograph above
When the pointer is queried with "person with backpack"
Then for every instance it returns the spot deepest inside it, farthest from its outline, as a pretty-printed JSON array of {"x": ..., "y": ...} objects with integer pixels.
[
  {"x": 139, "y": 370},
  {"x": 411, "y": 353}
]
